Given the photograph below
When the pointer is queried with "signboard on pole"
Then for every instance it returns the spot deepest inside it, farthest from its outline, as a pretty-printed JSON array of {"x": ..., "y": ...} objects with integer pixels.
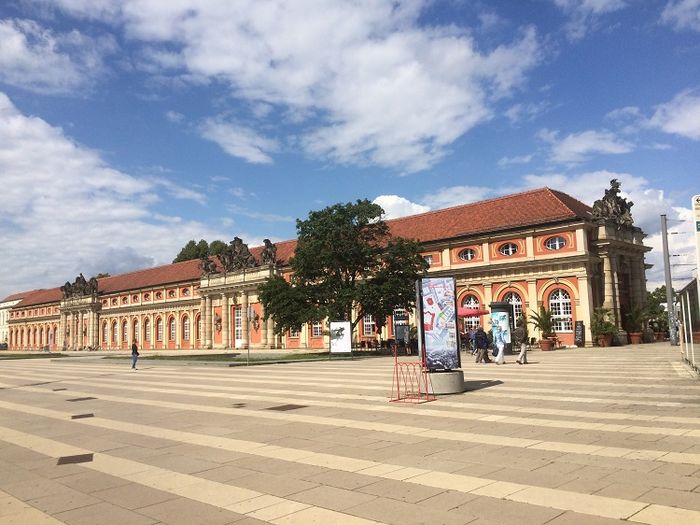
[
  {"x": 437, "y": 306},
  {"x": 696, "y": 215},
  {"x": 341, "y": 337}
]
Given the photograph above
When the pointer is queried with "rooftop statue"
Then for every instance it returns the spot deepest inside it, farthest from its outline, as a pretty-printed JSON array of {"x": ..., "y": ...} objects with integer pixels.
[
  {"x": 613, "y": 208},
  {"x": 80, "y": 287},
  {"x": 207, "y": 266},
  {"x": 269, "y": 253},
  {"x": 237, "y": 256}
]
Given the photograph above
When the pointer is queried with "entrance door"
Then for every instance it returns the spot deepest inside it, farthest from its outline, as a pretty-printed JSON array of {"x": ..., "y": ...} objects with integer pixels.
[{"x": 238, "y": 327}]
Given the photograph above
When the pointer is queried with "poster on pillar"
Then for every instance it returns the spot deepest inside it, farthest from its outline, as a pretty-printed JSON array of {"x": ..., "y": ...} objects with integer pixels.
[
  {"x": 341, "y": 337},
  {"x": 437, "y": 305}
]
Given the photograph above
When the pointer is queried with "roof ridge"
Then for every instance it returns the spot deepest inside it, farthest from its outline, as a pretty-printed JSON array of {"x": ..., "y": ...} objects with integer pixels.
[
  {"x": 492, "y": 199},
  {"x": 151, "y": 268}
]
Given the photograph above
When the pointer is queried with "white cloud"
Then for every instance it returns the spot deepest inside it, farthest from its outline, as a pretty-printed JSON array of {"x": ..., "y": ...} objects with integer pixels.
[
  {"x": 508, "y": 161},
  {"x": 261, "y": 216},
  {"x": 584, "y": 15},
  {"x": 174, "y": 116},
  {"x": 37, "y": 59},
  {"x": 680, "y": 116},
  {"x": 682, "y": 14},
  {"x": 525, "y": 112},
  {"x": 239, "y": 141},
  {"x": 578, "y": 147},
  {"x": 367, "y": 84},
  {"x": 456, "y": 195},
  {"x": 395, "y": 206},
  {"x": 66, "y": 211}
]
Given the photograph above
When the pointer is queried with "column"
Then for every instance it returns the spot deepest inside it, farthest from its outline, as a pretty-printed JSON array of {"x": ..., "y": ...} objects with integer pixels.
[
  {"x": 608, "y": 300},
  {"x": 79, "y": 331},
  {"x": 271, "y": 338},
  {"x": 488, "y": 295},
  {"x": 244, "y": 319},
  {"x": 263, "y": 328},
  {"x": 532, "y": 306},
  {"x": 616, "y": 294},
  {"x": 90, "y": 320},
  {"x": 207, "y": 323},
  {"x": 225, "y": 321},
  {"x": 61, "y": 332},
  {"x": 584, "y": 309},
  {"x": 202, "y": 309}
]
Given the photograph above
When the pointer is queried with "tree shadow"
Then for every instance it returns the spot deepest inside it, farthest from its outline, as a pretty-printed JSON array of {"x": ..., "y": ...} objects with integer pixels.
[{"x": 470, "y": 386}]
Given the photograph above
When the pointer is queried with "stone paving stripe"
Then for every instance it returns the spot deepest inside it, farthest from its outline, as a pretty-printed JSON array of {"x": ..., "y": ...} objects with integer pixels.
[
  {"x": 662, "y": 515},
  {"x": 185, "y": 485},
  {"x": 78, "y": 458},
  {"x": 16, "y": 511},
  {"x": 437, "y": 413}
]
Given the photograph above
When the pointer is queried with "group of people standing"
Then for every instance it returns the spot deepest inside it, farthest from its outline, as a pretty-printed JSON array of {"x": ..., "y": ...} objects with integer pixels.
[{"x": 479, "y": 344}]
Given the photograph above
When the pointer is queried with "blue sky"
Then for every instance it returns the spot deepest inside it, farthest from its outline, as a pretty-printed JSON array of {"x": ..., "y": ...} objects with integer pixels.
[{"x": 128, "y": 128}]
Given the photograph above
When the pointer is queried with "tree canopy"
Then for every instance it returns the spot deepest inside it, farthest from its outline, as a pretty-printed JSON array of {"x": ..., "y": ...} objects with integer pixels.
[
  {"x": 197, "y": 250},
  {"x": 345, "y": 263}
]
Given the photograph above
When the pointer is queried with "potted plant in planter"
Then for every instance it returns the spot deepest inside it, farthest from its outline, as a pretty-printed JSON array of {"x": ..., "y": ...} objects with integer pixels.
[
  {"x": 602, "y": 329},
  {"x": 544, "y": 322},
  {"x": 636, "y": 318}
]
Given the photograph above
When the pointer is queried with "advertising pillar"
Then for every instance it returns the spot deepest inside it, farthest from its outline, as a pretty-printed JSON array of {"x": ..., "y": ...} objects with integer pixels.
[{"x": 502, "y": 325}]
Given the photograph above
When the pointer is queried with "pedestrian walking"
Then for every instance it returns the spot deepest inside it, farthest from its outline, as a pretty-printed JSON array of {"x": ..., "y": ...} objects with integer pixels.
[
  {"x": 520, "y": 338},
  {"x": 481, "y": 342},
  {"x": 134, "y": 355}
]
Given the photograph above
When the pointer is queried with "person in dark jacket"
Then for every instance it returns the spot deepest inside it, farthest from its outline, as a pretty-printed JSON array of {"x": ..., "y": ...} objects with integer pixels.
[
  {"x": 134, "y": 355},
  {"x": 481, "y": 342}
]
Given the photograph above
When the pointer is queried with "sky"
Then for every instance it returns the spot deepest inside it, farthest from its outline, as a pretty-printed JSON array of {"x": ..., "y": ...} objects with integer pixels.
[{"x": 129, "y": 127}]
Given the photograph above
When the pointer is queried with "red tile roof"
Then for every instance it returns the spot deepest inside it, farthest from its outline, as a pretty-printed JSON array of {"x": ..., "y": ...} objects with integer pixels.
[
  {"x": 529, "y": 208},
  {"x": 16, "y": 296}
]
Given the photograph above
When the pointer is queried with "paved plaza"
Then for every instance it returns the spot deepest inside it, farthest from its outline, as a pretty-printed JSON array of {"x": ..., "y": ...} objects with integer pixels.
[{"x": 579, "y": 436}]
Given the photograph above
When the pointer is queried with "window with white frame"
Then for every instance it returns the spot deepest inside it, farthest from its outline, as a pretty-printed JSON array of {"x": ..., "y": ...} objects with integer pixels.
[
  {"x": 428, "y": 259},
  {"x": 159, "y": 329},
  {"x": 186, "y": 329},
  {"x": 516, "y": 302},
  {"x": 136, "y": 330},
  {"x": 114, "y": 333},
  {"x": 508, "y": 249},
  {"x": 294, "y": 332},
  {"x": 199, "y": 328},
  {"x": 560, "y": 306},
  {"x": 471, "y": 301},
  {"x": 125, "y": 332},
  {"x": 555, "y": 243},
  {"x": 105, "y": 332},
  {"x": 467, "y": 254},
  {"x": 368, "y": 325},
  {"x": 317, "y": 329},
  {"x": 147, "y": 330},
  {"x": 238, "y": 323},
  {"x": 171, "y": 329}
]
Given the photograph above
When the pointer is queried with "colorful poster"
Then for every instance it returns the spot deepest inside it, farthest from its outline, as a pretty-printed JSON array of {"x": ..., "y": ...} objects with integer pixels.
[
  {"x": 500, "y": 329},
  {"x": 341, "y": 337},
  {"x": 439, "y": 328}
]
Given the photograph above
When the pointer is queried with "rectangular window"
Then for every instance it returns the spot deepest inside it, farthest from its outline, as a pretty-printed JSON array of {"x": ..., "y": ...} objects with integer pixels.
[
  {"x": 368, "y": 325},
  {"x": 172, "y": 329},
  {"x": 428, "y": 259},
  {"x": 317, "y": 329},
  {"x": 186, "y": 330},
  {"x": 238, "y": 323},
  {"x": 159, "y": 330},
  {"x": 147, "y": 332},
  {"x": 294, "y": 332},
  {"x": 136, "y": 331}
]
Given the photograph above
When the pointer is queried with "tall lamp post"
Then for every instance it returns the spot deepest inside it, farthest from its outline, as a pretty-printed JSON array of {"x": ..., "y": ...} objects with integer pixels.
[{"x": 670, "y": 306}]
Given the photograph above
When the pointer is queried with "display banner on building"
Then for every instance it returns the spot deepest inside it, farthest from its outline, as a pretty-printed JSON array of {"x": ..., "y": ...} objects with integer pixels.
[
  {"x": 341, "y": 337},
  {"x": 438, "y": 309}
]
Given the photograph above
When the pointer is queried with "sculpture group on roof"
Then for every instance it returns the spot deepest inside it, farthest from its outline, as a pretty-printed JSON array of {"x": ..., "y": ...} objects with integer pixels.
[
  {"x": 613, "y": 208},
  {"x": 236, "y": 256},
  {"x": 80, "y": 287}
]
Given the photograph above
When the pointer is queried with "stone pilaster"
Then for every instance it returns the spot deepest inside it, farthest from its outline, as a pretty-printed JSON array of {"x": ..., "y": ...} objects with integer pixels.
[
  {"x": 225, "y": 321},
  {"x": 244, "y": 320},
  {"x": 207, "y": 323}
]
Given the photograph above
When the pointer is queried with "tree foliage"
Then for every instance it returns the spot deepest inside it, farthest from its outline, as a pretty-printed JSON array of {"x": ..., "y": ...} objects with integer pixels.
[
  {"x": 345, "y": 263},
  {"x": 197, "y": 250}
]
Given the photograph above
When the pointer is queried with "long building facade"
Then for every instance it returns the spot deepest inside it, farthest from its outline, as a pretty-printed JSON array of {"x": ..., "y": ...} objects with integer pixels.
[{"x": 540, "y": 247}]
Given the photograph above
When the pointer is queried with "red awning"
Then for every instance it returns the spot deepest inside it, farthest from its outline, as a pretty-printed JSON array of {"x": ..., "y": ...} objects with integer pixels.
[{"x": 471, "y": 312}]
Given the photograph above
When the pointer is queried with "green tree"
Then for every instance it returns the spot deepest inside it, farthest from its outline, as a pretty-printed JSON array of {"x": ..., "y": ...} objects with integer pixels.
[
  {"x": 101, "y": 275},
  {"x": 217, "y": 247},
  {"x": 345, "y": 263},
  {"x": 193, "y": 250}
]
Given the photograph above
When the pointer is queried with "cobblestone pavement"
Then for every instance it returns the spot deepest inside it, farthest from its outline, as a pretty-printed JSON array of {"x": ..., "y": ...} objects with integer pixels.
[{"x": 578, "y": 436}]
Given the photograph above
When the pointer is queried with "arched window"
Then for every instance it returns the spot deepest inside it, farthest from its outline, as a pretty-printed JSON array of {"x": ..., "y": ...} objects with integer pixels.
[
  {"x": 516, "y": 301},
  {"x": 186, "y": 329},
  {"x": 471, "y": 301},
  {"x": 125, "y": 332},
  {"x": 114, "y": 332},
  {"x": 467, "y": 254},
  {"x": 135, "y": 330},
  {"x": 171, "y": 329},
  {"x": 147, "y": 329},
  {"x": 105, "y": 333},
  {"x": 508, "y": 249},
  {"x": 555, "y": 243},
  {"x": 560, "y": 306},
  {"x": 159, "y": 329},
  {"x": 199, "y": 328}
]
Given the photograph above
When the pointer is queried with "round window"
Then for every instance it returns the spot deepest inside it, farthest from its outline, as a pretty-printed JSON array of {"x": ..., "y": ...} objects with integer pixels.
[
  {"x": 508, "y": 248},
  {"x": 467, "y": 254},
  {"x": 555, "y": 243}
]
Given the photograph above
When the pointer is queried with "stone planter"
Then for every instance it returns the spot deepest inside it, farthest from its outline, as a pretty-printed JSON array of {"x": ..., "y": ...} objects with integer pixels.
[
  {"x": 635, "y": 338},
  {"x": 605, "y": 340},
  {"x": 546, "y": 345}
]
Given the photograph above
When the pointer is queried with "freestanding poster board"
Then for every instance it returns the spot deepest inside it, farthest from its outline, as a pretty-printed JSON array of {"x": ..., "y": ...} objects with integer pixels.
[
  {"x": 341, "y": 337},
  {"x": 501, "y": 325},
  {"x": 438, "y": 339}
]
